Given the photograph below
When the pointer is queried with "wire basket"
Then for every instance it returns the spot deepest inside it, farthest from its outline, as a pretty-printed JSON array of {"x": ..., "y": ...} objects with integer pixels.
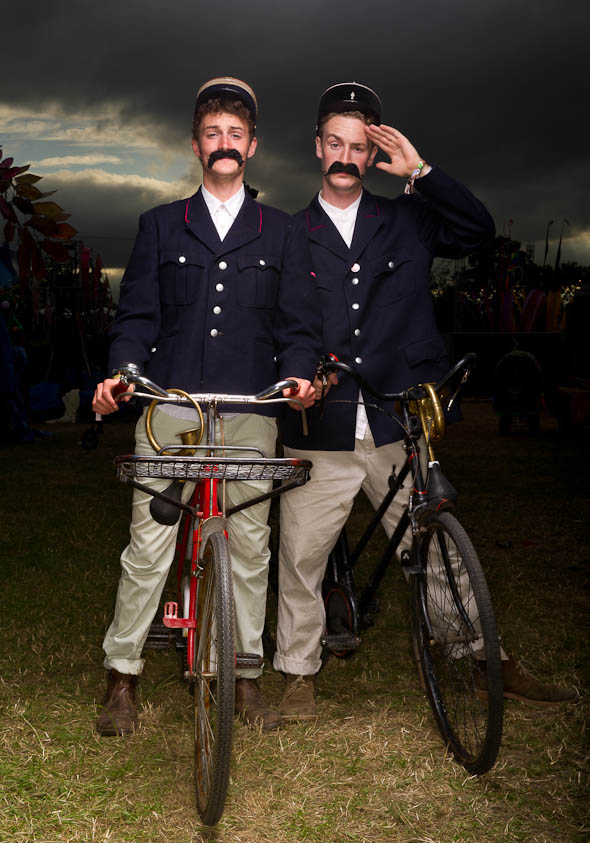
[{"x": 210, "y": 468}]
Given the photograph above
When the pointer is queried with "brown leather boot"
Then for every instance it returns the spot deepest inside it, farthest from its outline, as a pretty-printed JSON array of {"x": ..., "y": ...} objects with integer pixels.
[
  {"x": 251, "y": 707},
  {"x": 520, "y": 685},
  {"x": 119, "y": 715},
  {"x": 298, "y": 701}
]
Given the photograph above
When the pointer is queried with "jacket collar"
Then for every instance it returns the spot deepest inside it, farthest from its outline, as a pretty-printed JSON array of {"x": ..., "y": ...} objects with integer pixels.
[
  {"x": 247, "y": 225},
  {"x": 321, "y": 229}
]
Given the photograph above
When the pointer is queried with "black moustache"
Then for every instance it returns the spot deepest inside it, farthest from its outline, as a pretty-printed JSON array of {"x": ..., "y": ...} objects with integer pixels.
[
  {"x": 339, "y": 167},
  {"x": 224, "y": 153}
]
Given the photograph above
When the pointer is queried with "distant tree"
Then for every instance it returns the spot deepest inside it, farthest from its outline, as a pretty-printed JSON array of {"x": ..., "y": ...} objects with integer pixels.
[{"x": 61, "y": 292}]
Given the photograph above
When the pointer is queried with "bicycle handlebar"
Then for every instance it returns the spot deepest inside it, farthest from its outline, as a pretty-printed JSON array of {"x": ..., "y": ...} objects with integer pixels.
[
  {"x": 130, "y": 374},
  {"x": 331, "y": 364}
]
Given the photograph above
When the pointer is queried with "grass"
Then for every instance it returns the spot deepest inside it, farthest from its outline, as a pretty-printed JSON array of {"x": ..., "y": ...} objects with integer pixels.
[{"x": 372, "y": 768}]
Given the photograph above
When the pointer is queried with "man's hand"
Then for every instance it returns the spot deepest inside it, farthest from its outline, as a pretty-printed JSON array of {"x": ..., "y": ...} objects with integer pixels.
[
  {"x": 403, "y": 155},
  {"x": 320, "y": 389},
  {"x": 304, "y": 393},
  {"x": 103, "y": 401}
]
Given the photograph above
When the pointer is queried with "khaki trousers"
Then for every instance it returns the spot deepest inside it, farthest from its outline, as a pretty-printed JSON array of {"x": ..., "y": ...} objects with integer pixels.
[
  {"x": 311, "y": 519},
  {"x": 147, "y": 558}
]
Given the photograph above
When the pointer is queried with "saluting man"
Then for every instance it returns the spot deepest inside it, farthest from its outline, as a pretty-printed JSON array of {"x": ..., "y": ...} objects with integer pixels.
[
  {"x": 217, "y": 297},
  {"x": 371, "y": 257}
]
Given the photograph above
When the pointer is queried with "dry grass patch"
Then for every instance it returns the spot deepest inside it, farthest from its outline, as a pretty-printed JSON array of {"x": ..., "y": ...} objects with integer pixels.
[{"x": 372, "y": 768}]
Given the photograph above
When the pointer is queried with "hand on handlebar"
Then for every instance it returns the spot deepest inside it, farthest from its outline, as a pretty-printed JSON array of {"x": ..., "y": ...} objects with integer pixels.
[
  {"x": 103, "y": 401},
  {"x": 323, "y": 383},
  {"x": 305, "y": 393}
]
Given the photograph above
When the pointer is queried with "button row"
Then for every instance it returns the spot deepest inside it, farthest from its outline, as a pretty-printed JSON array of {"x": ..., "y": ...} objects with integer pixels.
[{"x": 223, "y": 264}]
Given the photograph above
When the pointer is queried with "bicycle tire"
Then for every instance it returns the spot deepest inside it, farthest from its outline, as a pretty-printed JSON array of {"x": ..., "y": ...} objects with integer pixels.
[
  {"x": 454, "y": 607},
  {"x": 214, "y": 683}
]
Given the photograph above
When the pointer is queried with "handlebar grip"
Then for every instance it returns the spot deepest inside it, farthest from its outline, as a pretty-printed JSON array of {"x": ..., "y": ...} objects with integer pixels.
[{"x": 118, "y": 388}]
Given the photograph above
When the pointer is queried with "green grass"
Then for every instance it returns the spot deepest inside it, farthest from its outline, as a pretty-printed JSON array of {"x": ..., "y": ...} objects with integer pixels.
[{"x": 372, "y": 768}]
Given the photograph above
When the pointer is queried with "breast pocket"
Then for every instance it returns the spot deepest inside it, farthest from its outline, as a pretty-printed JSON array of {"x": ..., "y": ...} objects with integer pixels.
[
  {"x": 394, "y": 278},
  {"x": 181, "y": 277},
  {"x": 258, "y": 280}
]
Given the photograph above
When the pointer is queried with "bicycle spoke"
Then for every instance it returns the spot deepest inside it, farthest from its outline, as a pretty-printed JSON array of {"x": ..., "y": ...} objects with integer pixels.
[{"x": 453, "y": 627}]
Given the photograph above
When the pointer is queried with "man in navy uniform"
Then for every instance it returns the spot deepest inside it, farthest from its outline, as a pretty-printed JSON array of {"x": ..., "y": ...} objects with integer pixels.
[
  {"x": 217, "y": 297},
  {"x": 371, "y": 257}
]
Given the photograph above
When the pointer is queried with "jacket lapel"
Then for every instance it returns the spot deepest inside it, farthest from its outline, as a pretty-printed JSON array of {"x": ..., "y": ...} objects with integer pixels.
[
  {"x": 368, "y": 222},
  {"x": 246, "y": 227},
  {"x": 322, "y": 230},
  {"x": 198, "y": 219}
]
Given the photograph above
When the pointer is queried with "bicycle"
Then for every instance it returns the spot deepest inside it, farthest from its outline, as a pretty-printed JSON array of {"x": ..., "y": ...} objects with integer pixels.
[
  {"x": 452, "y": 619},
  {"x": 203, "y": 613}
]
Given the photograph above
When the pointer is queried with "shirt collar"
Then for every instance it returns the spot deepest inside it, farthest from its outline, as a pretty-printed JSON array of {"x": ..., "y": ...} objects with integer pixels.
[
  {"x": 232, "y": 205},
  {"x": 342, "y": 213}
]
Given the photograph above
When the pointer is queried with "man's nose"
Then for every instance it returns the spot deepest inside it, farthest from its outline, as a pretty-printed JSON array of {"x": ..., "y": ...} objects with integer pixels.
[{"x": 345, "y": 157}]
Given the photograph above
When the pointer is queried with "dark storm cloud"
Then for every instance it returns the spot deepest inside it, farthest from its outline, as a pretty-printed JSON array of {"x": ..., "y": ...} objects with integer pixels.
[{"x": 496, "y": 93}]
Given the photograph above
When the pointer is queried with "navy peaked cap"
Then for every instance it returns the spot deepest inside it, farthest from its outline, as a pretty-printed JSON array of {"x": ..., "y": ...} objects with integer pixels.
[{"x": 349, "y": 96}]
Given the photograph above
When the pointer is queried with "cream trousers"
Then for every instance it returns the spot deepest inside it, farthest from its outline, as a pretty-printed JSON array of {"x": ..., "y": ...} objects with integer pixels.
[
  {"x": 147, "y": 558},
  {"x": 311, "y": 519}
]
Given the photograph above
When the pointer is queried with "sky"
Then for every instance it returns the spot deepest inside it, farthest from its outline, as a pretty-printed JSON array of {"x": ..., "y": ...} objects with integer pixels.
[{"x": 98, "y": 98}]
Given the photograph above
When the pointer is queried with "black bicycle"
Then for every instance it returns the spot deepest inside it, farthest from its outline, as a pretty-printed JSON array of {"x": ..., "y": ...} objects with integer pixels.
[{"x": 454, "y": 633}]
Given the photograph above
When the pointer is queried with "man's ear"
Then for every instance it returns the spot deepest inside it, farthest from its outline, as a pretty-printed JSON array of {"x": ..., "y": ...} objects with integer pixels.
[
  {"x": 196, "y": 148},
  {"x": 318, "y": 146},
  {"x": 372, "y": 155},
  {"x": 252, "y": 147}
]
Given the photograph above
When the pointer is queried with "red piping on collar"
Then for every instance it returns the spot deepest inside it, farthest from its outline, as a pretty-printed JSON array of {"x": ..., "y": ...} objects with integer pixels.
[
  {"x": 260, "y": 225},
  {"x": 186, "y": 219},
  {"x": 309, "y": 226},
  {"x": 377, "y": 209}
]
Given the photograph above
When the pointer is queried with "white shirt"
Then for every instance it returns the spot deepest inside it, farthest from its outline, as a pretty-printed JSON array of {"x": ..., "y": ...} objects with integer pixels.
[
  {"x": 223, "y": 214},
  {"x": 345, "y": 220}
]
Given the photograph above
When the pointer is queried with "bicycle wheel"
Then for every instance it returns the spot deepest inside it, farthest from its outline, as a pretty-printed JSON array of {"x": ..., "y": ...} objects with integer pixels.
[
  {"x": 214, "y": 685},
  {"x": 453, "y": 629}
]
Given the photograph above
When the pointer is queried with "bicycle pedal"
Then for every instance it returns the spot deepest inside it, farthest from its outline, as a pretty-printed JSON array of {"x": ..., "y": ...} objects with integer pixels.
[
  {"x": 407, "y": 563},
  {"x": 172, "y": 620},
  {"x": 341, "y": 641},
  {"x": 248, "y": 661},
  {"x": 159, "y": 637}
]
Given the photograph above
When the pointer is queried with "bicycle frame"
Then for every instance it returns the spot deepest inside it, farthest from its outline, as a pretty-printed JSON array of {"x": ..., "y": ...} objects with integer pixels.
[
  {"x": 342, "y": 561},
  {"x": 205, "y": 510}
]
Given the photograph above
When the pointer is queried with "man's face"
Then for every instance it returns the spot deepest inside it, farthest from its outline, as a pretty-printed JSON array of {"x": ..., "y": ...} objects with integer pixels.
[
  {"x": 344, "y": 140},
  {"x": 220, "y": 132}
]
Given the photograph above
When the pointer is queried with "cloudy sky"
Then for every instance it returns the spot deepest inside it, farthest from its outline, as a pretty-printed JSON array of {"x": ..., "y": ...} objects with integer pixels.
[{"x": 98, "y": 97}]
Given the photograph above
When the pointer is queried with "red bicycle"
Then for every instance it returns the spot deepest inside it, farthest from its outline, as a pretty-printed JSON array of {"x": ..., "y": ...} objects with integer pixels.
[{"x": 203, "y": 613}]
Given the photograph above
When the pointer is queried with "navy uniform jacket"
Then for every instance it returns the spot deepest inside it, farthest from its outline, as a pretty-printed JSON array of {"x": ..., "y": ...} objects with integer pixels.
[
  {"x": 376, "y": 303},
  {"x": 206, "y": 315}
]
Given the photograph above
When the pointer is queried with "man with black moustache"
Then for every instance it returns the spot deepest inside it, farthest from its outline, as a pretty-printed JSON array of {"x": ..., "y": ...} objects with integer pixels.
[{"x": 371, "y": 257}]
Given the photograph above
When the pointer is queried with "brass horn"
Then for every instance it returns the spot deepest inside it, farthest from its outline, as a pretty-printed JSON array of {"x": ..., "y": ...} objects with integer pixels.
[
  {"x": 432, "y": 417},
  {"x": 192, "y": 436}
]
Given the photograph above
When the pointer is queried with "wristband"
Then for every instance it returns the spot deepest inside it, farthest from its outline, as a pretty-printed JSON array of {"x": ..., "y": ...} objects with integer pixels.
[{"x": 413, "y": 176}]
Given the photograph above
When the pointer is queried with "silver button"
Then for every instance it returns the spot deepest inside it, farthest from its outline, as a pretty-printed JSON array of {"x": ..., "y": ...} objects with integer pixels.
[
  {"x": 358, "y": 359},
  {"x": 217, "y": 310},
  {"x": 391, "y": 264},
  {"x": 222, "y": 265},
  {"x": 261, "y": 262},
  {"x": 219, "y": 288},
  {"x": 355, "y": 281},
  {"x": 355, "y": 267},
  {"x": 214, "y": 332},
  {"x": 357, "y": 332},
  {"x": 153, "y": 349},
  {"x": 182, "y": 259},
  {"x": 356, "y": 306}
]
